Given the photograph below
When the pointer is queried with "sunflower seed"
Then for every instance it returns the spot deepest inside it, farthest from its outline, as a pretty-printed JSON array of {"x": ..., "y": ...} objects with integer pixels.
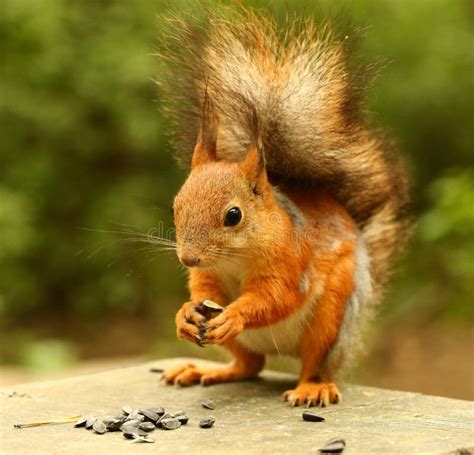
[
  {"x": 81, "y": 422},
  {"x": 170, "y": 424},
  {"x": 157, "y": 370},
  {"x": 90, "y": 422},
  {"x": 113, "y": 424},
  {"x": 127, "y": 410},
  {"x": 99, "y": 427},
  {"x": 131, "y": 423},
  {"x": 128, "y": 428},
  {"x": 163, "y": 417},
  {"x": 208, "y": 404},
  {"x": 121, "y": 417},
  {"x": 158, "y": 410},
  {"x": 310, "y": 416},
  {"x": 335, "y": 445},
  {"x": 212, "y": 307},
  {"x": 131, "y": 433},
  {"x": 135, "y": 415},
  {"x": 146, "y": 426},
  {"x": 207, "y": 422},
  {"x": 183, "y": 418},
  {"x": 150, "y": 415},
  {"x": 341, "y": 440}
]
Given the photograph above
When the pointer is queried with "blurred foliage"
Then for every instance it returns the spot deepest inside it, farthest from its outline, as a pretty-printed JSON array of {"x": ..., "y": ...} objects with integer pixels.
[
  {"x": 48, "y": 355},
  {"x": 437, "y": 282},
  {"x": 83, "y": 145}
]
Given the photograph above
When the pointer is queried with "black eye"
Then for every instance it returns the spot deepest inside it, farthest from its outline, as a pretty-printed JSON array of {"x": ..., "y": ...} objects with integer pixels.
[{"x": 233, "y": 217}]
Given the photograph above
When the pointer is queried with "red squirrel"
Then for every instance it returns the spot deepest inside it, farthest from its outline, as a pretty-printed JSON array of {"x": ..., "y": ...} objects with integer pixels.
[{"x": 293, "y": 211}]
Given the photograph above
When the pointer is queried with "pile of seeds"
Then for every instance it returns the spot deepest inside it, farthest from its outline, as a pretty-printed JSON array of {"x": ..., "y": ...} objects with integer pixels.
[{"x": 136, "y": 424}]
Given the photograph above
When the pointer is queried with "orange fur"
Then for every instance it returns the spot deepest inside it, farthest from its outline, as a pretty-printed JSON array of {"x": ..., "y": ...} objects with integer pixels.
[
  {"x": 322, "y": 333},
  {"x": 245, "y": 365}
]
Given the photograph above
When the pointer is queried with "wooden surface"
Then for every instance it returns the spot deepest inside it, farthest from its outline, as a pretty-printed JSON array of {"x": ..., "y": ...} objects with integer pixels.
[{"x": 250, "y": 418}]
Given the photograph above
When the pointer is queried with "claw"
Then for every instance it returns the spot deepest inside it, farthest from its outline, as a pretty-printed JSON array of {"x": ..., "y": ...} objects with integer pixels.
[
  {"x": 313, "y": 394},
  {"x": 204, "y": 381},
  {"x": 178, "y": 383},
  {"x": 165, "y": 380}
]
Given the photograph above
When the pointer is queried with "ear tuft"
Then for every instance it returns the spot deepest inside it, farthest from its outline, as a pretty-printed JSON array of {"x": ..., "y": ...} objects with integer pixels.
[
  {"x": 203, "y": 153},
  {"x": 253, "y": 167},
  {"x": 205, "y": 150}
]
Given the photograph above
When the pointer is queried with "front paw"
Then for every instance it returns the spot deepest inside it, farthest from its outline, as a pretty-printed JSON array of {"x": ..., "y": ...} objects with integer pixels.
[
  {"x": 190, "y": 323},
  {"x": 225, "y": 327}
]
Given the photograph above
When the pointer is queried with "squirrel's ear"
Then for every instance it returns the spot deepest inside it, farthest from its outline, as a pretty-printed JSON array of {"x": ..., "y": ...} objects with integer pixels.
[
  {"x": 253, "y": 167},
  {"x": 205, "y": 150}
]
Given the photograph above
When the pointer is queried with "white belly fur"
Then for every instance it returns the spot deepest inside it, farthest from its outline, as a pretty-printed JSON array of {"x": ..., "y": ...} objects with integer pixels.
[
  {"x": 280, "y": 338},
  {"x": 284, "y": 337}
]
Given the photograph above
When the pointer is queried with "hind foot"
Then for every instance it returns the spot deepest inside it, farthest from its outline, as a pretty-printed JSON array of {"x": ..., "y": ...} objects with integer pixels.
[
  {"x": 313, "y": 394},
  {"x": 189, "y": 374}
]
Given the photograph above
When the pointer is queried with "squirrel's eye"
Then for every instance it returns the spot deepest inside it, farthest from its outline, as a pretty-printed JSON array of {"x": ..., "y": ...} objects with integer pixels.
[{"x": 233, "y": 217}]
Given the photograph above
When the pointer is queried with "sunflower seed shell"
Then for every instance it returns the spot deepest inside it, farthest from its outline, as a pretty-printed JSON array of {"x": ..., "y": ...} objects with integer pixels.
[
  {"x": 208, "y": 404},
  {"x": 150, "y": 415},
  {"x": 81, "y": 422},
  {"x": 212, "y": 307},
  {"x": 208, "y": 422},
  {"x": 146, "y": 426},
  {"x": 90, "y": 422},
  {"x": 335, "y": 445},
  {"x": 132, "y": 433},
  {"x": 99, "y": 427},
  {"x": 310, "y": 416},
  {"x": 158, "y": 410},
  {"x": 170, "y": 424}
]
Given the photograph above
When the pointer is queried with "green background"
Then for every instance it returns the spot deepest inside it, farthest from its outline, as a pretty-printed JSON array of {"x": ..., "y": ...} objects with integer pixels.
[{"x": 83, "y": 150}]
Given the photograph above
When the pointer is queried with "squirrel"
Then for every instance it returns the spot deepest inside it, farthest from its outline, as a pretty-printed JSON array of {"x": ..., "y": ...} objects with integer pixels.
[{"x": 293, "y": 210}]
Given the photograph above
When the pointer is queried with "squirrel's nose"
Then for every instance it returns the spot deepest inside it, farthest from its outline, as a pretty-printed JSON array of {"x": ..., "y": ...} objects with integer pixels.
[{"x": 189, "y": 260}]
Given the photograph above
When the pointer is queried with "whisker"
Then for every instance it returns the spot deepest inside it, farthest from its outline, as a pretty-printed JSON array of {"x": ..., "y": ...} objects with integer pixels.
[
  {"x": 154, "y": 249},
  {"x": 274, "y": 340},
  {"x": 227, "y": 257},
  {"x": 231, "y": 252},
  {"x": 135, "y": 231},
  {"x": 140, "y": 235},
  {"x": 154, "y": 241}
]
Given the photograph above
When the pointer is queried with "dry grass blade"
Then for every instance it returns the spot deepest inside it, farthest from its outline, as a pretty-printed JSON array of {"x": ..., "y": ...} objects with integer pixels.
[{"x": 71, "y": 419}]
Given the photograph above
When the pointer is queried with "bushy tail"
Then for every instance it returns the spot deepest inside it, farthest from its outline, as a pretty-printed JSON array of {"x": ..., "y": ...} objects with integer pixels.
[{"x": 307, "y": 104}]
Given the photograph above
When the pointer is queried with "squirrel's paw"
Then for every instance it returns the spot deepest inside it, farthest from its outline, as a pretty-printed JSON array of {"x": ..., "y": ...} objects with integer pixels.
[
  {"x": 313, "y": 394},
  {"x": 189, "y": 322},
  {"x": 188, "y": 374},
  {"x": 171, "y": 375},
  {"x": 225, "y": 327}
]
